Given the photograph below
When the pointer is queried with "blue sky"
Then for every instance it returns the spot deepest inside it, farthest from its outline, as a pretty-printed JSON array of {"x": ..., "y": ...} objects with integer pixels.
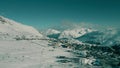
[{"x": 48, "y": 13}]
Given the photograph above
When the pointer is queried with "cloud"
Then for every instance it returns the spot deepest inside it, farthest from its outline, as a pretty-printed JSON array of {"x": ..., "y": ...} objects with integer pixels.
[{"x": 71, "y": 25}]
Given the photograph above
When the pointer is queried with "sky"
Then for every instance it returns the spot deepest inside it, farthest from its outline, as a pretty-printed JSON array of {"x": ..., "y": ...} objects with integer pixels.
[{"x": 43, "y": 14}]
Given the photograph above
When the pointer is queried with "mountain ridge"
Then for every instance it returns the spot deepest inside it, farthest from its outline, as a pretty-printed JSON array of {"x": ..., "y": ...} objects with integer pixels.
[{"x": 14, "y": 28}]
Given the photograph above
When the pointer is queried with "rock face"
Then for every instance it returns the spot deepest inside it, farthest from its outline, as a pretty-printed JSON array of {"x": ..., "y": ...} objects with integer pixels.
[{"x": 11, "y": 29}]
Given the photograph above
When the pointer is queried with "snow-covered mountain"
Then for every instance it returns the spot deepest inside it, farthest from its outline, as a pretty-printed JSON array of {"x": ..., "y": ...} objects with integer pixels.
[
  {"x": 74, "y": 33},
  {"x": 106, "y": 37},
  {"x": 11, "y": 29},
  {"x": 52, "y": 31}
]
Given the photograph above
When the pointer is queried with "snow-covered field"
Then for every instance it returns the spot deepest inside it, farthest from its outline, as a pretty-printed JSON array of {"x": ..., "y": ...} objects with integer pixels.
[{"x": 30, "y": 54}]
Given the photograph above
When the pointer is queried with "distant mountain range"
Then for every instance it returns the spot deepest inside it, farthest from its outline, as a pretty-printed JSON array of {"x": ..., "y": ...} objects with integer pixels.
[{"x": 86, "y": 35}]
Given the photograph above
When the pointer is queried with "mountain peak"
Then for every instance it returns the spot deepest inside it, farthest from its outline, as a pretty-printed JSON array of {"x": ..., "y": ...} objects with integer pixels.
[{"x": 52, "y": 31}]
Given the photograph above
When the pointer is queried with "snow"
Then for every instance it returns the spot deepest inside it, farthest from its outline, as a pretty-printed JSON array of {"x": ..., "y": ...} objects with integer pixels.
[
  {"x": 13, "y": 28},
  {"x": 29, "y": 54},
  {"x": 87, "y": 61},
  {"x": 37, "y": 53},
  {"x": 52, "y": 31},
  {"x": 26, "y": 53},
  {"x": 104, "y": 37},
  {"x": 74, "y": 33}
]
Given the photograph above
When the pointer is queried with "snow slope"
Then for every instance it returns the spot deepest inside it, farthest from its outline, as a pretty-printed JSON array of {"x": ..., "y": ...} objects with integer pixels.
[
  {"x": 30, "y": 54},
  {"x": 10, "y": 28}
]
